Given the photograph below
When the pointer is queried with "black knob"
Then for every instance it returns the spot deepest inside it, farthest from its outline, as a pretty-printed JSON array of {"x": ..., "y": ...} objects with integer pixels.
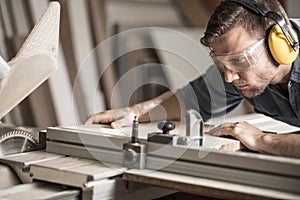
[{"x": 166, "y": 126}]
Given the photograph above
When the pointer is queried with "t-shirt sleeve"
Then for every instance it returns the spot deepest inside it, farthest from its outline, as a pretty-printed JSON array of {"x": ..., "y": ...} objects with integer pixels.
[{"x": 210, "y": 95}]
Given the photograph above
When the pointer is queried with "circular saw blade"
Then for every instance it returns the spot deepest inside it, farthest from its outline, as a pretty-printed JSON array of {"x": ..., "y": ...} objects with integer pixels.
[{"x": 16, "y": 141}]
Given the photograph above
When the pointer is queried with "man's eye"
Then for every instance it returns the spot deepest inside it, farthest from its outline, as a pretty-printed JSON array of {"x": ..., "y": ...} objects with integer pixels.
[{"x": 237, "y": 60}]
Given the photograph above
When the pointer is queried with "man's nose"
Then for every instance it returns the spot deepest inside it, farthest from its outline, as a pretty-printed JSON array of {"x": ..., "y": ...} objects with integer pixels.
[{"x": 230, "y": 75}]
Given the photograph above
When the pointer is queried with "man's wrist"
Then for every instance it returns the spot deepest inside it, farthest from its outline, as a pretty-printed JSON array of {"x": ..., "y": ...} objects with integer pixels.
[{"x": 264, "y": 142}]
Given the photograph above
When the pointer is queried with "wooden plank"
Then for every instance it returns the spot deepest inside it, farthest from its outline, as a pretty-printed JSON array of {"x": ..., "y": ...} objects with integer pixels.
[
  {"x": 205, "y": 187},
  {"x": 87, "y": 132},
  {"x": 106, "y": 74},
  {"x": 70, "y": 60},
  {"x": 82, "y": 30}
]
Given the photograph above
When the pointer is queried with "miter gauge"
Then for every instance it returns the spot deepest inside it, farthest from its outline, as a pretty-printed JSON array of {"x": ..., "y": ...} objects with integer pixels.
[
  {"x": 17, "y": 140},
  {"x": 193, "y": 136}
]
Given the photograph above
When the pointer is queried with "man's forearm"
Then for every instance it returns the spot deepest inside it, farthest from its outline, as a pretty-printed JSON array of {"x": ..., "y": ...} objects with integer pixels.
[
  {"x": 284, "y": 144},
  {"x": 163, "y": 107}
]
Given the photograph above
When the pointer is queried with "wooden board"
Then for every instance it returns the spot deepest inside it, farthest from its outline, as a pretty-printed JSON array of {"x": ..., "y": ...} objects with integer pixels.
[
  {"x": 227, "y": 144},
  {"x": 205, "y": 187}
]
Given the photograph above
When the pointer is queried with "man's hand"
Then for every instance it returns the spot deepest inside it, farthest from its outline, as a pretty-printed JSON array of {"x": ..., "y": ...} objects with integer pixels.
[
  {"x": 145, "y": 112},
  {"x": 249, "y": 135},
  {"x": 256, "y": 140},
  {"x": 116, "y": 118}
]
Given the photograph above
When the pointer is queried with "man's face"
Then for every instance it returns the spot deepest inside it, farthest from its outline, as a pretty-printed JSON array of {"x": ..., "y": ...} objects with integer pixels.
[{"x": 252, "y": 79}]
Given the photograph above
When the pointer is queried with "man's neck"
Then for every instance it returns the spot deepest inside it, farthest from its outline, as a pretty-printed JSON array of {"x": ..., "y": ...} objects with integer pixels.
[{"x": 283, "y": 76}]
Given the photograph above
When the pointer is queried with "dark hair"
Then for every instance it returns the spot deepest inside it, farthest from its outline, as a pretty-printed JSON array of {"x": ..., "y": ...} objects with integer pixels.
[{"x": 229, "y": 14}]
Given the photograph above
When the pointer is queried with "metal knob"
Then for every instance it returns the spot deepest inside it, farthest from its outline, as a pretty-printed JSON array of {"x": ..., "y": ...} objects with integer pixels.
[{"x": 166, "y": 126}]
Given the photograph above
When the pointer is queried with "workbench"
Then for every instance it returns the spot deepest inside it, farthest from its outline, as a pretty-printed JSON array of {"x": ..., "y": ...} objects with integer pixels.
[
  {"x": 86, "y": 162},
  {"x": 77, "y": 178}
]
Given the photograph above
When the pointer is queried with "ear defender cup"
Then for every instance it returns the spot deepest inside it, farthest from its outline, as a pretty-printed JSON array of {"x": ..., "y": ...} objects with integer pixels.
[{"x": 279, "y": 47}]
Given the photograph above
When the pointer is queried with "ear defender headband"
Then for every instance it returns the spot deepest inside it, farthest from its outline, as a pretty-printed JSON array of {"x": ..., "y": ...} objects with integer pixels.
[{"x": 283, "y": 43}]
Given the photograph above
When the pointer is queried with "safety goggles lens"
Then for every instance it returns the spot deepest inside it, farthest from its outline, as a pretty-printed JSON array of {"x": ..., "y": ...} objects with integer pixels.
[{"x": 241, "y": 61}]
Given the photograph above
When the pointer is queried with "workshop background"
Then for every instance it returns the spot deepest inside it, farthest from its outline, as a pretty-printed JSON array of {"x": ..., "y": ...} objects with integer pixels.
[{"x": 84, "y": 25}]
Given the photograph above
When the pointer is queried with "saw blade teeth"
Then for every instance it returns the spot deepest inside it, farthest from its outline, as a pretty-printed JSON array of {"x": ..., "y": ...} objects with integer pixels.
[
  {"x": 22, "y": 133},
  {"x": 20, "y": 138}
]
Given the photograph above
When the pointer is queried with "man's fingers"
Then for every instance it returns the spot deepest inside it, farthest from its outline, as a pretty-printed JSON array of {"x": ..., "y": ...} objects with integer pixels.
[
  {"x": 121, "y": 123},
  {"x": 102, "y": 117},
  {"x": 215, "y": 131},
  {"x": 90, "y": 120},
  {"x": 223, "y": 129}
]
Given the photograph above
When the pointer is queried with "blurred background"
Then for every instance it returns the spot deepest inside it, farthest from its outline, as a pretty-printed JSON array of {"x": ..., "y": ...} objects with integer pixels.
[{"x": 87, "y": 23}]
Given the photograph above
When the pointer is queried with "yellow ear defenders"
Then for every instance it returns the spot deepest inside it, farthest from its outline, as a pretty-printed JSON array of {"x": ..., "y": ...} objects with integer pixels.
[
  {"x": 282, "y": 40},
  {"x": 280, "y": 49}
]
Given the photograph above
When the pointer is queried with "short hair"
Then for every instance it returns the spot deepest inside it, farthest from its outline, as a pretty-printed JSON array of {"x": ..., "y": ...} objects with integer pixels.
[{"x": 228, "y": 14}]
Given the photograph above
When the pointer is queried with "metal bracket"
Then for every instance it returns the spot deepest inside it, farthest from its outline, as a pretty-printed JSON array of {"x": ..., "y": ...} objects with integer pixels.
[
  {"x": 194, "y": 132},
  {"x": 134, "y": 152}
]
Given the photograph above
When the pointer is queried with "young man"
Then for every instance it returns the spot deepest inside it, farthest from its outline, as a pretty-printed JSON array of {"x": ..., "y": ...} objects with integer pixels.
[{"x": 250, "y": 64}]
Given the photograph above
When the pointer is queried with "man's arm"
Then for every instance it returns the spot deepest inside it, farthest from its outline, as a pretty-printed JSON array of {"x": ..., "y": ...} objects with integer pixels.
[
  {"x": 283, "y": 144},
  {"x": 256, "y": 140},
  {"x": 163, "y": 107}
]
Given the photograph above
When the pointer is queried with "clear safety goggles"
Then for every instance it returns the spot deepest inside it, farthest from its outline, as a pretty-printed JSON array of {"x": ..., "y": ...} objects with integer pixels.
[{"x": 241, "y": 61}]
